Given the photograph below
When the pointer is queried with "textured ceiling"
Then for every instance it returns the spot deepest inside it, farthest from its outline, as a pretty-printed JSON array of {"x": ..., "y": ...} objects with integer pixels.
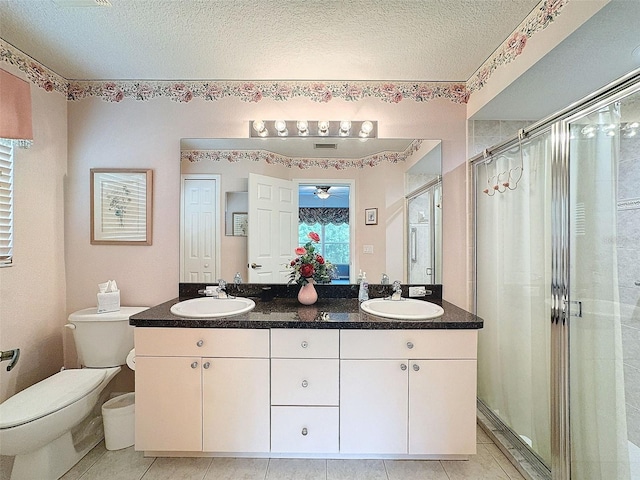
[{"x": 422, "y": 40}]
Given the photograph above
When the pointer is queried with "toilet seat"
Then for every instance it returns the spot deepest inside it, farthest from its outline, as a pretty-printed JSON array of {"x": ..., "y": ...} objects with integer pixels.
[{"x": 49, "y": 395}]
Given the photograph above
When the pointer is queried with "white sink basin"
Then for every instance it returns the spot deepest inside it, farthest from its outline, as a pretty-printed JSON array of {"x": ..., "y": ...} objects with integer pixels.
[
  {"x": 209, "y": 307},
  {"x": 404, "y": 309}
]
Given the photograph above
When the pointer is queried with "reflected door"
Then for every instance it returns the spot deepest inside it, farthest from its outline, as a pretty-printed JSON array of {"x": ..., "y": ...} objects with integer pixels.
[
  {"x": 273, "y": 228},
  {"x": 199, "y": 233}
]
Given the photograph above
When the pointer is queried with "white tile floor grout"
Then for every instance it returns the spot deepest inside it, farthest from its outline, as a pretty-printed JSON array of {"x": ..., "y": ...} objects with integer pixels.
[{"x": 127, "y": 464}]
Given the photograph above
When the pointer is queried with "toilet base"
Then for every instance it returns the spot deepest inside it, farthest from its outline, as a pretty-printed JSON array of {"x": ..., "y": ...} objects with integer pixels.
[
  {"x": 51, "y": 461},
  {"x": 56, "y": 458}
]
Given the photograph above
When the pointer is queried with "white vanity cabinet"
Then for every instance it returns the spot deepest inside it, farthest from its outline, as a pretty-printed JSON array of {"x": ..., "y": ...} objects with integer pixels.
[
  {"x": 202, "y": 389},
  {"x": 408, "y": 392},
  {"x": 304, "y": 391}
]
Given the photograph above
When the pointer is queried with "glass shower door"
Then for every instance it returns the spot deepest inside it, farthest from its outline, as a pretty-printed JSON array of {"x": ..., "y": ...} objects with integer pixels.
[
  {"x": 513, "y": 284},
  {"x": 604, "y": 296},
  {"x": 424, "y": 223}
]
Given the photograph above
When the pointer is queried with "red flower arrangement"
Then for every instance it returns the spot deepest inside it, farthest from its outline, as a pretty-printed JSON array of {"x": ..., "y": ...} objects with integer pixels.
[{"x": 309, "y": 265}]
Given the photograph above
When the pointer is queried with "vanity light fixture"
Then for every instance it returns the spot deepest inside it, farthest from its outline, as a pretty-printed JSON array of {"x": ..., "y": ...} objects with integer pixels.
[
  {"x": 365, "y": 129},
  {"x": 303, "y": 128},
  {"x": 281, "y": 128},
  {"x": 323, "y": 128},
  {"x": 260, "y": 128},
  {"x": 345, "y": 128},
  {"x": 311, "y": 128}
]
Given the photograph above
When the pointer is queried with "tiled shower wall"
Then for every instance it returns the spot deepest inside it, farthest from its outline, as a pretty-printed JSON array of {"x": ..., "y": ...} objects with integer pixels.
[
  {"x": 628, "y": 241},
  {"x": 487, "y": 133}
]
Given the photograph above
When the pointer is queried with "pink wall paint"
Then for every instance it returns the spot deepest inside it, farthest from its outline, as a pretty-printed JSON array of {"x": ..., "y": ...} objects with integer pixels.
[
  {"x": 33, "y": 289},
  {"x": 147, "y": 135}
]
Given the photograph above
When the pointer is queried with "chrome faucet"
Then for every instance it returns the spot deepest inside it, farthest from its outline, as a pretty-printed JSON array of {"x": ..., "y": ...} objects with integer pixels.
[
  {"x": 222, "y": 288},
  {"x": 397, "y": 291}
]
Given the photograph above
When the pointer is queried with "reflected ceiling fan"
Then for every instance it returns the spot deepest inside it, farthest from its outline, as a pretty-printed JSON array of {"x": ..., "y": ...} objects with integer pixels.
[{"x": 322, "y": 192}]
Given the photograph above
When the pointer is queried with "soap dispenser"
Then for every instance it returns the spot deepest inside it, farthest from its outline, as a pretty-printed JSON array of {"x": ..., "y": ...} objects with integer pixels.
[
  {"x": 237, "y": 279},
  {"x": 363, "y": 294}
]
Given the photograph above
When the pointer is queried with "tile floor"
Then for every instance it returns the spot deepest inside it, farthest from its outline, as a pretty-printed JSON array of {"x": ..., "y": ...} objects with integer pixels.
[{"x": 127, "y": 464}]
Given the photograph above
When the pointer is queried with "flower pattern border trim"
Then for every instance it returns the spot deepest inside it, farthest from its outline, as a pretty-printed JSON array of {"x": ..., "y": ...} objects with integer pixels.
[
  {"x": 539, "y": 19},
  {"x": 318, "y": 91},
  {"x": 271, "y": 158}
]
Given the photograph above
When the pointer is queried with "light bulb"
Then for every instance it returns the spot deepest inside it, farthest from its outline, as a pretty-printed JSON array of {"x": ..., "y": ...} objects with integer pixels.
[
  {"x": 323, "y": 128},
  {"x": 258, "y": 126},
  {"x": 281, "y": 127},
  {"x": 366, "y": 128},
  {"x": 303, "y": 127},
  {"x": 345, "y": 128}
]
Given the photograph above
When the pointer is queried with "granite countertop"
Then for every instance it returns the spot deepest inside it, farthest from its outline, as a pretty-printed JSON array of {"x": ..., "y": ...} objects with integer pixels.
[{"x": 341, "y": 313}]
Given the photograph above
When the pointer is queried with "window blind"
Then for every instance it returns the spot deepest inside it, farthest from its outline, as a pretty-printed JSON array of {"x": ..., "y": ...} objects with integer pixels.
[{"x": 6, "y": 204}]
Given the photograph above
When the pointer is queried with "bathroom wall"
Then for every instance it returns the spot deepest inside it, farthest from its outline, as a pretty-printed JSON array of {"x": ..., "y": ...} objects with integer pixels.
[
  {"x": 33, "y": 290},
  {"x": 147, "y": 135}
]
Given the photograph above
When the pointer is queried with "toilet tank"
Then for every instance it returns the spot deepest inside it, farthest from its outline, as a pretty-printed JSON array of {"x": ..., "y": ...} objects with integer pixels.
[{"x": 103, "y": 339}]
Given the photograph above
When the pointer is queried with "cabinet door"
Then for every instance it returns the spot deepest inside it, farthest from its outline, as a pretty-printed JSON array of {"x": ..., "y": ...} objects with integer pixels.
[
  {"x": 236, "y": 409},
  {"x": 168, "y": 404},
  {"x": 373, "y": 406},
  {"x": 442, "y": 407}
]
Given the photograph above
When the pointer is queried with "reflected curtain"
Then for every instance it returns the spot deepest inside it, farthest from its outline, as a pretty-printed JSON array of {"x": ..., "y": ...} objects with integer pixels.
[
  {"x": 513, "y": 290},
  {"x": 599, "y": 445},
  {"x": 323, "y": 215}
]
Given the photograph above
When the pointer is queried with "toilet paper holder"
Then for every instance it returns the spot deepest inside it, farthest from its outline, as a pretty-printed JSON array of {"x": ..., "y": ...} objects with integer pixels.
[{"x": 12, "y": 356}]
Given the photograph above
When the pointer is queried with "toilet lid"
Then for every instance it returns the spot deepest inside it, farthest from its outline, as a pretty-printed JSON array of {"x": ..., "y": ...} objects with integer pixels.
[{"x": 49, "y": 395}]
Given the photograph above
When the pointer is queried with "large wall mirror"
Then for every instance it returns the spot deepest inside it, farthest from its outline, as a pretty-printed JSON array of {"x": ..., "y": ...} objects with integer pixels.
[{"x": 375, "y": 204}]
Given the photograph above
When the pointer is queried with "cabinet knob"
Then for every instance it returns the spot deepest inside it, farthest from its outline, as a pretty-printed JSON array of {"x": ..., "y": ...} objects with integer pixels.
[
  {"x": 206, "y": 365},
  {"x": 416, "y": 367},
  {"x": 305, "y": 384},
  {"x": 194, "y": 365},
  {"x": 200, "y": 343},
  {"x": 305, "y": 431},
  {"x": 409, "y": 345},
  {"x": 304, "y": 344},
  {"x": 403, "y": 367}
]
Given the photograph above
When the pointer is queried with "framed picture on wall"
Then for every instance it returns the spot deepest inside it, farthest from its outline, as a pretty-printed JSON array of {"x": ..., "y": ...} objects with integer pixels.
[
  {"x": 371, "y": 216},
  {"x": 240, "y": 224},
  {"x": 121, "y": 202}
]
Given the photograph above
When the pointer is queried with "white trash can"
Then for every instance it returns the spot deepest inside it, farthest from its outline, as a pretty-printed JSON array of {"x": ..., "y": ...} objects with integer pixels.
[{"x": 118, "y": 417}]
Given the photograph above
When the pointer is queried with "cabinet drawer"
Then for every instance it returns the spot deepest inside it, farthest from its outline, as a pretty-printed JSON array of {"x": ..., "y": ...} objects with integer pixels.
[
  {"x": 304, "y": 429},
  {"x": 428, "y": 344},
  {"x": 303, "y": 343},
  {"x": 304, "y": 382},
  {"x": 202, "y": 342}
]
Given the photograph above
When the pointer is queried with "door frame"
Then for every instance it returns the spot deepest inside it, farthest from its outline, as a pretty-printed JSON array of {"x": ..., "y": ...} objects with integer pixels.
[
  {"x": 351, "y": 183},
  {"x": 217, "y": 194}
]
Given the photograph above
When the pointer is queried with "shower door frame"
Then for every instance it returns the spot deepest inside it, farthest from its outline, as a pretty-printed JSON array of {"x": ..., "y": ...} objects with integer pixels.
[{"x": 559, "y": 124}]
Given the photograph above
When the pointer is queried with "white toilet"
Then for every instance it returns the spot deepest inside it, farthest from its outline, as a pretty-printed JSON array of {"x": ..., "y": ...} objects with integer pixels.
[{"x": 51, "y": 425}]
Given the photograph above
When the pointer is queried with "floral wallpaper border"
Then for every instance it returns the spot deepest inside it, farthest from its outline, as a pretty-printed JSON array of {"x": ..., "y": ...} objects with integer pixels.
[
  {"x": 271, "y": 158},
  {"x": 539, "y": 19},
  {"x": 317, "y": 91}
]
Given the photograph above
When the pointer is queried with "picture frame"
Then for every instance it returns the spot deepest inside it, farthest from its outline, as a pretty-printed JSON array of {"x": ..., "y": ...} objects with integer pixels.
[
  {"x": 370, "y": 216},
  {"x": 121, "y": 206},
  {"x": 240, "y": 224}
]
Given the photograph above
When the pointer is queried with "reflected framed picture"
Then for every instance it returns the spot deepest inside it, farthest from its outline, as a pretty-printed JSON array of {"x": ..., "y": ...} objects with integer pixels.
[
  {"x": 121, "y": 200},
  {"x": 240, "y": 224},
  {"x": 370, "y": 216}
]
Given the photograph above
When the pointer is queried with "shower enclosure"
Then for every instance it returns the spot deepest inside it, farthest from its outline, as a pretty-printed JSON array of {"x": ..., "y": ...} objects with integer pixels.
[
  {"x": 557, "y": 246},
  {"x": 424, "y": 221}
]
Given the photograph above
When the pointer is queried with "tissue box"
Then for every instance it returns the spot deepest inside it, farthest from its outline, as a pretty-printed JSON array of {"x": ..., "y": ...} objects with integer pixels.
[{"x": 109, "y": 302}]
